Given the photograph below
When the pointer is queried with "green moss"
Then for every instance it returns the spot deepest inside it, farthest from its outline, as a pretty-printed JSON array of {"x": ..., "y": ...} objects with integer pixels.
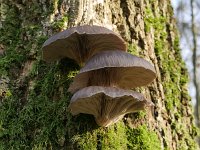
[
  {"x": 133, "y": 49},
  {"x": 174, "y": 76},
  {"x": 115, "y": 137},
  {"x": 186, "y": 143},
  {"x": 41, "y": 120},
  {"x": 169, "y": 66},
  {"x": 142, "y": 138},
  {"x": 139, "y": 115},
  {"x": 86, "y": 141},
  {"x": 186, "y": 137},
  {"x": 30, "y": 118},
  {"x": 153, "y": 22},
  {"x": 60, "y": 23}
]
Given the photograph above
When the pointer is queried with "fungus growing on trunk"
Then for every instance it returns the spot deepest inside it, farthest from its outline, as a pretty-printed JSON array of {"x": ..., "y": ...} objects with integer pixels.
[
  {"x": 107, "y": 104},
  {"x": 80, "y": 43},
  {"x": 116, "y": 69},
  {"x": 101, "y": 86}
]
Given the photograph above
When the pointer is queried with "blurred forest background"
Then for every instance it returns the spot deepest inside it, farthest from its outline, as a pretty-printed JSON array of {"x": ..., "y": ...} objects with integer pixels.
[{"x": 188, "y": 19}]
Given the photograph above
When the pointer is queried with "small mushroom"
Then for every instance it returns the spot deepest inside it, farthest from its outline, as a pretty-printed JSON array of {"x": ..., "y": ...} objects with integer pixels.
[
  {"x": 116, "y": 69},
  {"x": 80, "y": 43},
  {"x": 107, "y": 104}
]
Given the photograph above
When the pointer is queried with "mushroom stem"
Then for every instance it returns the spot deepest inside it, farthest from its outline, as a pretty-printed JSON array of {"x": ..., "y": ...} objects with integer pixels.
[
  {"x": 109, "y": 76},
  {"x": 106, "y": 121},
  {"x": 114, "y": 68},
  {"x": 83, "y": 48},
  {"x": 80, "y": 43},
  {"x": 107, "y": 104}
]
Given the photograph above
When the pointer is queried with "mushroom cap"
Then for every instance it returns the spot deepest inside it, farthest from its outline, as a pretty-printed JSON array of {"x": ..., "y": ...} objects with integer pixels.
[
  {"x": 107, "y": 104},
  {"x": 80, "y": 43},
  {"x": 114, "y": 68}
]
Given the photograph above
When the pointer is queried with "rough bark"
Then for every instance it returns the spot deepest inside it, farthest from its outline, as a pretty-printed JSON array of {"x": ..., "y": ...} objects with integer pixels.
[
  {"x": 194, "y": 61},
  {"x": 34, "y": 96}
]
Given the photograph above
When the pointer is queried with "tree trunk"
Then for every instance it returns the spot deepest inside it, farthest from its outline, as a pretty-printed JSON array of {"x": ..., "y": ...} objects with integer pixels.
[{"x": 34, "y": 95}]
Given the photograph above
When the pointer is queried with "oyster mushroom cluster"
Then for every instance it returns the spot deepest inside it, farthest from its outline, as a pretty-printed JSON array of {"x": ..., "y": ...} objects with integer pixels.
[{"x": 103, "y": 86}]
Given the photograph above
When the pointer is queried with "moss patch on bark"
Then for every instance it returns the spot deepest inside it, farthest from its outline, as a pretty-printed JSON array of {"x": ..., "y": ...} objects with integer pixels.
[
  {"x": 174, "y": 78},
  {"x": 143, "y": 138}
]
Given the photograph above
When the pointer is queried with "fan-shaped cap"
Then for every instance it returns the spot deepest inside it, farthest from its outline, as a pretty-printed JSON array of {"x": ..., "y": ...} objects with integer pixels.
[
  {"x": 80, "y": 43},
  {"x": 107, "y": 104},
  {"x": 114, "y": 68}
]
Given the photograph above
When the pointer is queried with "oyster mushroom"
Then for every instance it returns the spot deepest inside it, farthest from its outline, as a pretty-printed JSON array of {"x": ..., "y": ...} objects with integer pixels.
[
  {"x": 116, "y": 69},
  {"x": 80, "y": 43},
  {"x": 107, "y": 104}
]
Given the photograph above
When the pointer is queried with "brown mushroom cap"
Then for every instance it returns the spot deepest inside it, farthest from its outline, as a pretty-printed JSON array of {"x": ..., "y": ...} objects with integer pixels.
[
  {"x": 116, "y": 69},
  {"x": 80, "y": 43},
  {"x": 107, "y": 104}
]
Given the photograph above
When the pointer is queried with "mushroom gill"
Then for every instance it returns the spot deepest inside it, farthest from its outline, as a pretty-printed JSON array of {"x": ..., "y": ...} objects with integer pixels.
[
  {"x": 107, "y": 104},
  {"x": 114, "y": 68},
  {"x": 80, "y": 43}
]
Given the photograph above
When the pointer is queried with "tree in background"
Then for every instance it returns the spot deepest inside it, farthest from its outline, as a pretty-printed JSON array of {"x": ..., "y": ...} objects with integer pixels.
[
  {"x": 187, "y": 14},
  {"x": 34, "y": 96}
]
